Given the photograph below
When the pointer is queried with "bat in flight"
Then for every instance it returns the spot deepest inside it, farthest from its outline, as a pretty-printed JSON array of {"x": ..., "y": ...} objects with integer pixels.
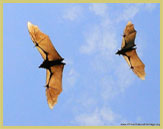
[
  {"x": 52, "y": 63},
  {"x": 128, "y": 51}
]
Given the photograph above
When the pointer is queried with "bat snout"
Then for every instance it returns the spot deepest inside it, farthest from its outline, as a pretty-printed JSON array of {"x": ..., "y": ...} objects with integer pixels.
[
  {"x": 41, "y": 66},
  {"x": 118, "y": 52}
]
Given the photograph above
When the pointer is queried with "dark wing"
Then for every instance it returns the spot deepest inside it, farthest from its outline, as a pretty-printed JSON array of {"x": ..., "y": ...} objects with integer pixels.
[
  {"x": 137, "y": 65},
  {"x": 55, "y": 84},
  {"x": 129, "y": 36},
  {"x": 43, "y": 43}
]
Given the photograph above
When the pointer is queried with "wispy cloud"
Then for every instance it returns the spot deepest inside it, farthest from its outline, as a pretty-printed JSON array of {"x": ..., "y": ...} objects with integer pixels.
[
  {"x": 131, "y": 10},
  {"x": 71, "y": 75},
  {"x": 99, "y": 9},
  {"x": 114, "y": 75},
  {"x": 72, "y": 13},
  {"x": 99, "y": 117},
  {"x": 101, "y": 37},
  {"x": 91, "y": 41},
  {"x": 100, "y": 40},
  {"x": 128, "y": 13}
]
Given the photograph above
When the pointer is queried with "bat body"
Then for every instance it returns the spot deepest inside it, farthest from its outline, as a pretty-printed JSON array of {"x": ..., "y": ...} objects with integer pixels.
[
  {"x": 47, "y": 64},
  {"x": 128, "y": 51},
  {"x": 52, "y": 63}
]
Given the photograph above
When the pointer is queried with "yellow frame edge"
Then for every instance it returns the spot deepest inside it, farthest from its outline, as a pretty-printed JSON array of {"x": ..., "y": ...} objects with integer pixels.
[
  {"x": 1, "y": 64},
  {"x": 76, "y": 1},
  {"x": 81, "y": 1}
]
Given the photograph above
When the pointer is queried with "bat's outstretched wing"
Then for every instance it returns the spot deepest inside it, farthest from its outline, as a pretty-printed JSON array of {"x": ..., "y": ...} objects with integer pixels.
[
  {"x": 43, "y": 43},
  {"x": 55, "y": 84},
  {"x": 129, "y": 36},
  {"x": 135, "y": 63},
  {"x": 129, "y": 52},
  {"x": 52, "y": 63}
]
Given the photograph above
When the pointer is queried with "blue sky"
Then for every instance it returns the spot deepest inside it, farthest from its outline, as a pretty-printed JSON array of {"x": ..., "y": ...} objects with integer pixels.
[{"x": 98, "y": 86}]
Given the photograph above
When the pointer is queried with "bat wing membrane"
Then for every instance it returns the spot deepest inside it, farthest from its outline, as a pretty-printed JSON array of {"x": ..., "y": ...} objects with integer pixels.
[
  {"x": 44, "y": 43},
  {"x": 130, "y": 35},
  {"x": 55, "y": 84},
  {"x": 127, "y": 60},
  {"x": 137, "y": 64}
]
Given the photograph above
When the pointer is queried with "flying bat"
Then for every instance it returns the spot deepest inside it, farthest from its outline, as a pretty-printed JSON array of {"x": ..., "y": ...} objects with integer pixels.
[
  {"x": 53, "y": 63},
  {"x": 128, "y": 51}
]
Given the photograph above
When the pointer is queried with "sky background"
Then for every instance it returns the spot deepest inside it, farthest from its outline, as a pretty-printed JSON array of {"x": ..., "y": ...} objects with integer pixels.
[{"x": 99, "y": 88}]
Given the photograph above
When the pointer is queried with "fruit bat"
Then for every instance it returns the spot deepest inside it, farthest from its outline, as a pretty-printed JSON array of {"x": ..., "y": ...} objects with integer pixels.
[
  {"x": 128, "y": 51},
  {"x": 52, "y": 63}
]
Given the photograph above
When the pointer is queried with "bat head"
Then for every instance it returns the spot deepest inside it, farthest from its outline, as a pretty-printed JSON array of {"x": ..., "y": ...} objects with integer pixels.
[
  {"x": 124, "y": 50},
  {"x": 118, "y": 52},
  {"x": 44, "y": 64},
  {"x": 47, "y": 64}
]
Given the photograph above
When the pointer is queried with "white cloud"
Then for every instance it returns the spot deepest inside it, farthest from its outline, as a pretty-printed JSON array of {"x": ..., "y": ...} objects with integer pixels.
[
  {"x": 71, "y": 74},
  {"x": 99, "y": 9},
  {"x": 108, "y": 115},
  {"x": 72, "y": 13},
  {"x": 89, "y": 119},
  {"x": 128, "y": 13},
  {"x": 125, "y": 76},
  {"x": 87, "y": 102},
  {"x": 112, "y": 87},
  {"x": 131, "y": 10},
  {"x": 101, "y": 43},
  {"x": 98, "y": 117},
  {"x": 101, "y": 38},
  {"x": 92, "y": 39}
]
